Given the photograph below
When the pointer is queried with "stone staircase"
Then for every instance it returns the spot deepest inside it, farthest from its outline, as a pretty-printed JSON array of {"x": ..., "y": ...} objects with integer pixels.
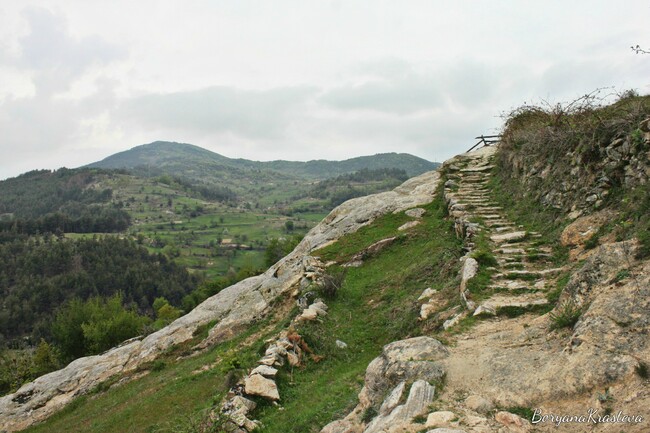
[{"x": 523, "y": 273}]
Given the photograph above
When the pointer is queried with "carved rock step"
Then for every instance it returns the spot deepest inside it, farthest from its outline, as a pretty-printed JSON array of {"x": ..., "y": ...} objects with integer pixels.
[
  {"x": 498, "y": 302},
  {"x": 509, "y": 237},
  {"x": 524, "y": 274},
  {"x": 477, "y": 169},
  {"x": 517, "y": 285}
]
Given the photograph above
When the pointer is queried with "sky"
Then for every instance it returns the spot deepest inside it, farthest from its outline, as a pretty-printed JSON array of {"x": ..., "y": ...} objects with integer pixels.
[{"x": 295, "y": 79}]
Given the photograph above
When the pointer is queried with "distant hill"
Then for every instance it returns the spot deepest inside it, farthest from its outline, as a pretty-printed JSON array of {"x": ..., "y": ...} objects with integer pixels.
[{"x": 191, "y": 161}]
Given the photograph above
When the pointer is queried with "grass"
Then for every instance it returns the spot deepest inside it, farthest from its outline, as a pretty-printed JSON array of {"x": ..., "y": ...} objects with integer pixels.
[{"x": 566, "y": 316}]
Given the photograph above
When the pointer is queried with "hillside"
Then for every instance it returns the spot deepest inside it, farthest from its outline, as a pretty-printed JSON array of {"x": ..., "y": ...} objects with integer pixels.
[
  {"x": 509, "y": 285},
  {"x": 191, "y": 161}
]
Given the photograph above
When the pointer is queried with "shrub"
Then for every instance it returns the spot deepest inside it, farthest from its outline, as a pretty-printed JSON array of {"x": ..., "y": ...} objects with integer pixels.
[{"x": 331, "y": 283}]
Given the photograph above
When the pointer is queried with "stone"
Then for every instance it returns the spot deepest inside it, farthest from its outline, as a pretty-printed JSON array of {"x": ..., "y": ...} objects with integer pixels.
[
  {"x": 417, "y": 403},
  {"x": 467, "y": 272},
  {"x": 408, "y": 225},
  {"x": 308, "y": 315},
  {"x": 265, "y": 370},
  {"x": 294, "y": 360},
  {"x": 392, "y": 400},
  {"x": 483, "y": 310},
  {"x": 479, "y": 404},
  {"x": 259, "y": 385},
  {"x": 341, "y": 426},
  {"x": 426, "y": 310},
  {"x": 440, "y": 418},
  {"x": 446, "y": 430},
  {"x": 509, "y": 237},
  {"x": 453, "y": 321},
  {"x": 242, "y": 404},
  {"x": 417, "y": 212},
  {"x": 403, "y": 360},
  {"x": 511, "y": 420},
  {"x": 583, "y": 228},
  {"x": 428, "y": 293},
  {"x": 341, "y": 345}
]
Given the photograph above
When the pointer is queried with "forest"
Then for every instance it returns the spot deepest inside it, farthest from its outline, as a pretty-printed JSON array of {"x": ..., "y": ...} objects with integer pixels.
[{"x": 59, "y": 201}]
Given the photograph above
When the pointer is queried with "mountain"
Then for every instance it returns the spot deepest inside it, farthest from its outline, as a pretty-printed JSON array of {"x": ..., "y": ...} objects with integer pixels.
[{"x": 191, "y": 161}]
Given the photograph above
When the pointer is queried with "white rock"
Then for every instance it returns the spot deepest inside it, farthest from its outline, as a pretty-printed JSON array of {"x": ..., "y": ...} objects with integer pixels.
[
  {"x": 440, "y": 418},
  {"x": 479, "y": 404},
  {"x": 416, "y": 212},
  {"x": 257, "y": 384},
  {"x": 508, "y": 237},
  {"x": 428, "y": 292},
  {"x": 265, "y": 370},
  {"x": 408, "y": 225},
  {"x": 341, "y": 345}
]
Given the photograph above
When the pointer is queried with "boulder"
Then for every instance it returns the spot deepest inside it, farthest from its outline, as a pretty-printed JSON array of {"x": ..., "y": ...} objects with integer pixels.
[
  {"x": 417, "y": 404},
  {"x": 440, "y": 418},
  {"x": 405, "y": 360},
  {"x": 583, "y": 228},
  {"x": 256, "y": 384},
  {"x": 417, "y": 212},
  {"x": 479, "y": 404}
]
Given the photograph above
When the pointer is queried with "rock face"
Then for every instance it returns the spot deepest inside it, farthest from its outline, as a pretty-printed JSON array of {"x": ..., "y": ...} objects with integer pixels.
[
  {"x": 415, "y": 361},
  {"x": 233, "y": 308}
]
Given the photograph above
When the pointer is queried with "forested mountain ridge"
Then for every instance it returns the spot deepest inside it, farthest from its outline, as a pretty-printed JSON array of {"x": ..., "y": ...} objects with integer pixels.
[{"x": 187, "y": 160}]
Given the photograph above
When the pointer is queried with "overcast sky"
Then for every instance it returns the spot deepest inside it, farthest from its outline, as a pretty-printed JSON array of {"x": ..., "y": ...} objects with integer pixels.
[{"x": 296, "y": 79}]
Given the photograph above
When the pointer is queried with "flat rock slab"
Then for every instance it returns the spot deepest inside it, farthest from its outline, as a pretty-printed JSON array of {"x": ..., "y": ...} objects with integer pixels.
[
  {"x": 408, "y": 225},
  {"x": 509, "y": 237},
  {"x": 256, "y": 384},
  {"x": 417, "y": 212}
]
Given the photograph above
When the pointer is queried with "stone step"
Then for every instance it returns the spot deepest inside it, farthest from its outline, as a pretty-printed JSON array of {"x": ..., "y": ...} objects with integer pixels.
[
  {"x": 509, "y": 237},
  {"x": 479, "y": 169},
  {"x": 498, "y": 303},
  {"x": 528, "y": 274}
]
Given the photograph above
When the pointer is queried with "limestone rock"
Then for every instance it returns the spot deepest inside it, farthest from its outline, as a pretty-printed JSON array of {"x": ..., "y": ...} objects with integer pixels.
[
  {"x": 439, "y": 418},
  {"x": 579, "y": 231},
  {"x": 479, "y": 404},
  {"x": 467, "y": 272},
  {"x": 341, "y": 345},
  {"x": 257, "y": 384},
  {"x": 408, "y": 225},
  {"x": 428, "y": 293},
  {"x": 417, "y": 212},
  {"x": 418, "y": 401},
  {"x": 308, "y": 315},
  {"x": 508, "y": 237},
  {"x": 512, "y": 421},
  {"x": 401, "y": 361},
  {"x": 341, "y": 426},
  {"x": 446, "y": 430},
  {"x": 265, "y": 371},
  {"x": 426, "y": 310}
]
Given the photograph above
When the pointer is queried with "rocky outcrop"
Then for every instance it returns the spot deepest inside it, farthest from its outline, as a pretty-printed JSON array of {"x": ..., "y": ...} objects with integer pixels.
[
  {"x": 413, "y": 364},
  {"x": 233, "y": 308}
]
